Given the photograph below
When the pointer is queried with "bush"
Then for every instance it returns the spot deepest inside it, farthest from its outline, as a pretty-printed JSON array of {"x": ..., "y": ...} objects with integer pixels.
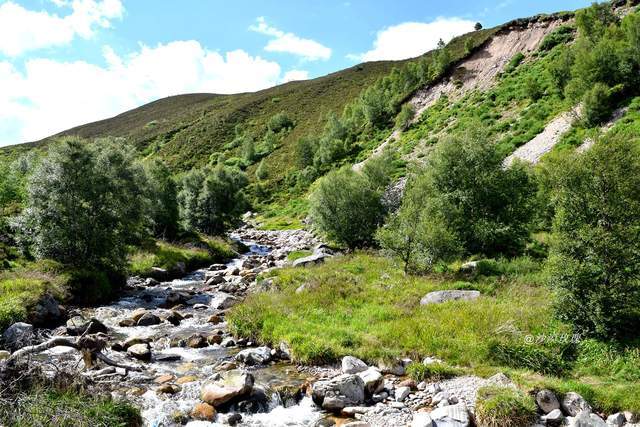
[
  {"x": 406, "y": 114},
  {"x": 279, "y": 121},
  {"x": 162, "y": 193},
  {"x": 561, "y": 35},
  {"x": 431, "y": 372},
  {"x": 596, "y": 106},
  {"x": 346, "y": 208},
  {"x": 515, "y": 353},
  {"x": 514, "y": 62},
  {"x": 533, "y": 88},
  {"x": 505, "y": 407},
  {"x": 596, "y": 240}
]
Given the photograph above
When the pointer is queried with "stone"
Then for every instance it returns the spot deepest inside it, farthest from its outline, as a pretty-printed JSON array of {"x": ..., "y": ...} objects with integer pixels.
[
  {"x": 339, "y": 392},
  {"x": 554, "y": 418},
  {"x": 421, "y": 419},
  {"x": 573, "y": 403},
  {"x": 148, "y": 319},
  {"x": 373, "y": 380},
  {"x": 408, "y": 383},
  {"x": 231, "y": 419},
  {"x": 214, "y": 339},
  {"x": 174, "y": 318},
  {"x": 394, "y": 368},
  {"x": 351, "y": 411},
  {"x": 150, "y": 282},
  {"x": 254, "y": 356},
  {"x": 228, "y": 342},
  {"x": 203, "y": 412},
  {"x": 215, "y": 280},
  {"x": 586, "y": 419},
  {"x": 159, "y": 273},
  {"x": 140, "y": 352},
  {"x": 197, "y": 341},
  {"x": 46, "y": 311},
  {"x": 18, "y": 335},
  {"x": 451, "y": 416},
  {"x": 168, "y": 389},
  {"x": 223, "y": 301},
  {"x": 469, "y": 266},
  {"x": 78, "y": 325},
  {"x": 162, "y": 379},
  {"x": 310, "y": 260},
  {"x": 217, "y": 267},
  {"x": 631, "y": 417},
  {"x": 126, "y": 323},
  {"x": 352, "y": 365},
  {"x": 616, "y": 420},
  {"x": 135, "y": 340},
  {"x": 186, "y": 379},
  {"x": 233, "y": 385},
  {"x": 402, "y": 393},
  {"x": 215, "y": 319},
  {"x": 167, "y": 358},
  {"x": 547, "y": 401},
  {"x": 438, "y": 297},
  {"x": 4, "y": 354}
]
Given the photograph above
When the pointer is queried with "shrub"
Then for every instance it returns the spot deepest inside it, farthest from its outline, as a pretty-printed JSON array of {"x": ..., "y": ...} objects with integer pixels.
[
  {"x": 305, "y": 151},
  {"x": 596, "y": 106},
  {"x": 540, "y": 358},
  {"x": 346, "y": 208},
  {"x": 561, "y": 35},
  {"x": 162, "y": 193},
  {"x": 505, "y": 407},
  {"x": 514, "y": 62},
  {"x": 533, "y": 88},
  {"x": 596, "y": 238},
  {"x": 261, "y": 171},
  {"x": 280, "y": 121},
  {"x": 406, "y": 114},
  {"x": 431, "y": 372}
]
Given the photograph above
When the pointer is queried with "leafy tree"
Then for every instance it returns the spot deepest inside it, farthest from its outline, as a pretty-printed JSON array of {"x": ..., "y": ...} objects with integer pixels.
[
  {"x": 478, "y": 26},
  {"x": 85, "y": 204},
  {"x": 305, "y": 150},
  {"x": 280, "y": 121},
  {"x": 379, "y": 170},
  {"x": 560, "y": 70},
  {"x": 248, "y": 149},
  {"x": 533, "y": 88},
  {"x": 596, "y": 106},
  {"x": 162, "y": 193},
  {"x": 346, "y": 208},
  {"x": 593, "y": 21},
  {"x": 261, "y": 172},
  {"x": 595, "y": 249},
  {"x": 406, "y": 114},
  {"x": 269, "y": 143}
]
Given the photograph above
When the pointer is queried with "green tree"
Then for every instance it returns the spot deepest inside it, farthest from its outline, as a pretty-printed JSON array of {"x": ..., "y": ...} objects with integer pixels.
[
  {"x": 478, "y": 26},
  {"x": 85, "y": 204},
  {"x": 596, "y": 105},
  {"x": 346, "y": 208},
  {"x": 261, "y": 172},
  {"x": 406, "y": 114},
  {"x": 595, "y": 250},
  {"x": 248, "y": 149},
  {"x": 280, "y": 121},
  {"x": 162, "y": 193},
  {"x": 306, "y": 150},
  {"x": 379, "y": 170}
]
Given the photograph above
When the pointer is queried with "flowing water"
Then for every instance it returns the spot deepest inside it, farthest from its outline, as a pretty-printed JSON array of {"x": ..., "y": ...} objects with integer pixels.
[{"x": 199, "y": 364}]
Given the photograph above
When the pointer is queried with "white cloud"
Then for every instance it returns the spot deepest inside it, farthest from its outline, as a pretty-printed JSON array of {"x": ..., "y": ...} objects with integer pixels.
[
  {"x": 411, "y": 39},
  {"x": 22, "y": 30},
  {"x": 50, "y": 96},
  {"x": 293, "y": 75},
  {"x": 283, "y": 42}
]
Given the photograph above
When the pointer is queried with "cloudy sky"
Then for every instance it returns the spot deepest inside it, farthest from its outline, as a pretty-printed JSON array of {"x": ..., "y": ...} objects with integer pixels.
[{"x": 68, "y": 62}]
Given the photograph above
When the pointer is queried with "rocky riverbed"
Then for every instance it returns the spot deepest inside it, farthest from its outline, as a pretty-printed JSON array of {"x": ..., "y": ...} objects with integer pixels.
[{"x": 191, "y": 370}]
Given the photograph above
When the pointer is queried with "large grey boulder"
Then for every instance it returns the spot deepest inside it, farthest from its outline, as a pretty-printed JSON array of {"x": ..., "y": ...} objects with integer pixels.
[
  {"x": 438, "y": 297},
  {"x": 451, "y": 416},
  {"x": 46, "y": 312},
  {"x": 373, "y": 380},
  {"x": 254, "y": 356},
  {"x": 233, "y": 385},
  {"x": 17, "y": 335},
  {"x": 573, "y": 403},
  {"x": 223, "y": 301},
  {"x": 148, "y": 319},
  {"x": 616, "y": 420},
  {"x": 339, "y": 392},
  {"x": 421, "y": 419},
  {"x": 140, "y": 352},
  {"x": 311, "y": 260},
  {"x": 554, "y": 418},
  {"x": 547, "y": 401},
  {"x": 586, "y": 419},
  {"x": 352, "y": 365},
  {"x": 78, "y": 325}
]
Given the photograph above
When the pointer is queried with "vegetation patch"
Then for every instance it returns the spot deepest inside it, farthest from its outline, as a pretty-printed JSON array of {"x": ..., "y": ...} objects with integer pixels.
[
  {"x": 504, "y": 407},
  {"x": 432, "y": 371}
]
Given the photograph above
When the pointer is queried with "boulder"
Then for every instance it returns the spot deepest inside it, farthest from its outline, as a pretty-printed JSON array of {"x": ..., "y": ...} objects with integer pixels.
[
  {"x": 547, "y": 401},
  {"x": 353, "y": 365},
  {"x": 215, "y": 319},
  {"x": 254, "y": 356},
  {"x": 46, "y": 311},
  {"x": 18, "y": 335},
  {"x": 135, "y": 340},
  {"x": 402, "y": 393},
  {"x": 373, "y": 380},
  {"x": 222, "y": 301},
  {"x": 4, "y": 355},
  {"x": 396, "y": 367},
  {"x": 214, "y": 339},
  {"x": 78, "y": 325},
  {"x": 163, "y": 379},
  {"x": 310, "y": 260},
  {"x": 150, "y": 282},
  {"x": 616, "y": 420},
  {"x": 573, "y": 403},
  {"x": 586, "y": 419},
  {"x": 126, "y": 323},
  {"x": 168, "y": 389},
  {"x": 138, "y": 313},
  {"x": 339, "y": 392},
  {"x": 438, "y": 297},
  {"x": 148, "y": 319},
  {"x": 174, "y": 318},
  {"x": 159, "y": 273},
  {"x": 203, "y": 412},
  {"x": 554, "y": 418},
  {"x": 234, "y": 384},
  {"x": 197, "y": 341},
  {"x": 215, "y": 280},
  {"x": 421, "y": 419},
  {"x": 140, "y": 352},
  {"x": 451, "y": 416}
]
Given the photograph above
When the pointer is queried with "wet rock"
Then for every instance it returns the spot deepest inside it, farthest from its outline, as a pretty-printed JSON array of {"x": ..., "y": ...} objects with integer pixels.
[
  {"x": 140, "y": 352},
  {"x": 373, "y": 380},
  {"x": 162, "y": 379},
  {"x": 226, "y": 366},
  {"x": 231, "y": 419},
  {"x": 451, "y": 416},
  {"x": 547, "y": 401},
  {"x": 234, "y": 384},
  {"x": 352, "y": 365},
  {"x": 200, "y": 306},
  {"x": 127, "y": 323},
  {"x": 310, "y": 260},
  {"x": 159, "y": 274},
  {"x": 168, "y": 389},
  {"x": 616, "y": 420},
  {"x": 167, "y": 358},
  {"x": 18, "y": 335},
  {"x": 174, "y": 318},
  {"x": 186, "y": 379},
  {"x": 151, "y": 282},
  {"x": 573, "y": 403},
  {"x": 339, "y": 392},
  {"x": 256, "y": 401},
  {"x": 148, "y": 319},
  {"x": 217, "y": 267},
  {"x": 228, "y": 342},
  {"x": 203, "y": 412},
  {"x": 223, "y": 301},
  {"x": 138, "y": 313},
  {"x": 46, "y": 312},
  {"x": 438, "y": 297},
  {"x": 215, "y": 280},
  {"x": 214, "y": 339},
  {"x": 254, "y": 356},
  {"x": 78, "y": 325},
  {"x": 197, "y": 341},
  {"x": 135, "y": 340},
  {"x": 215, "y": 319},
  {"x": 4, "y": 354}
]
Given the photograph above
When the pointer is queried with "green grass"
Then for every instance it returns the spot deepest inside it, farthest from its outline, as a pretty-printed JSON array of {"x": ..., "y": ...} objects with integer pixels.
[
  {"x": 431, "y": 372},
  {"x": 66, "y": 409},
  {"x": 16, "y": 296},
  {"x": 505, "y": 407},
  {"x": 294, "y": 255},
  {"x": 194, "y": 254}
]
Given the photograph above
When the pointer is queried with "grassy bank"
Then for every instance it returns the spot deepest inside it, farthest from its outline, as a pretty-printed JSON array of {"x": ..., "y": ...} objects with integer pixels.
[{"x": 363, "y": 305}]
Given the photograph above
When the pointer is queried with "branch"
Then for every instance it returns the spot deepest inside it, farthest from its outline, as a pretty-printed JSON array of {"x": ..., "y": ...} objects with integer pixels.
[
  {"x": 112, "y": 362},
  {"x": 53, "y": 342}
]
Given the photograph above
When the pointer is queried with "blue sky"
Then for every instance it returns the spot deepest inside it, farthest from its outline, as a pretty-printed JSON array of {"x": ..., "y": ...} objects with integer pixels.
[{"x": 67, "y": 62}]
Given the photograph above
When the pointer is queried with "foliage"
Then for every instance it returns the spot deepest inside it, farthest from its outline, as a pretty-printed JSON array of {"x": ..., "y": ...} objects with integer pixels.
[
  {"x": 561, "y": 35},
  {"x": 262, "y": 172},
  {"x": 596, "y": 107},
  {"x": 431, "y": 372},
  {"x": 406, "y": 114},
  {"x": 514, "y": 62},
  {"x": 596, "y": 238},
  {"x": 280, "y": 121},
  {"x": 162, "y": 193},
  {"x": 346, "y": 208},
  {"x": 505, "y": 407},
  {"x": 85, "y": 204},
  {"x": 212, "y": 198}
]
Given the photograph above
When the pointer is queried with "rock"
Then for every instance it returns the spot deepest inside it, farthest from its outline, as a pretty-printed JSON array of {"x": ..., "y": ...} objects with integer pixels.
[
  {"x": 150, "y": 282},
  {"x": 18, "y": 335},
  {"x": 228, "y": 342},
  {"x": 254, "y": 356},
  {"x": 214, "y": 339},
  {"x": 408, "y": 383},
  {"x": 451, "y": 416},
  {"x": 373, "y": 380},
  {"x": 148, "y": 319},
  {"x": 394, "y": 368},
  {"x": 215, "y": 319},
  {"x": 586, "y": 419},
  {"x": 159, "y": 273},
  {"x": 215, "y": 280},
  {"x": 126, "y": 323},
  {"x": 46, "y": 312},
  {"x": 222, "y": 301},
  {"x": 234, "y": 384},
  {"x": 231, "y": 419},
  {"x": 200, "y": 306},
  {"x": 553, "y": 418},
  {"x": 197, "y": 341},
  {"x": 421, "y": 419},
  {"x": 174, "y": 318},
  {"x": 167, "y": 358},
  {"x": 78, "y": 325},
  {"x": 573, "y": 403},
  {"x": 162, "y": 379},
  {"x": 186, "y": 379},
  {"x": 140, "y": 352},
  {"x": 353, "y": 365},
  {"x": 469, "y": 266},
  {"x": 356, "y": 424},
  {"x": 168, "y": 389},
  {"x": 4, "y": 354},
  {"x": 547, "y": 401},
  {"x": 310, "y": 260},
  {"x": 203, "y": 412},
  {"x": 631, "y": 417},
  {"x": 616, "y": 420},
  {"x": 402, "y": 393},
  {"x": 438, "y": 297},
  {"x": 135, "y": 340},
  {"x": 217, "y": 267},
  {"x": 339, "y": 392}
]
